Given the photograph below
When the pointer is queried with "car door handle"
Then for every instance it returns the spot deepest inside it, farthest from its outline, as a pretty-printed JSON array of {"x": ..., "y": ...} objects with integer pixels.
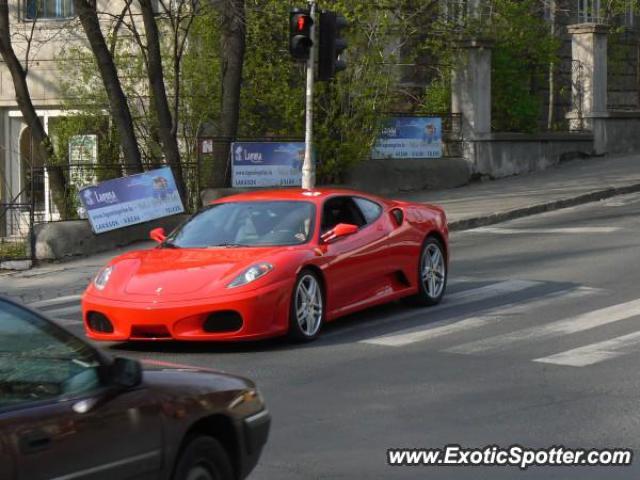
[{"x": 34, "y": 442}]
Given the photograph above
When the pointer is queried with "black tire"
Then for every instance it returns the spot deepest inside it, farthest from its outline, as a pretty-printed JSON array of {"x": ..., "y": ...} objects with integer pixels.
[
  {"x": 423, "y": 298},
  {"x": 296, "y": 332},
  {"x": 203, "y": 458}
]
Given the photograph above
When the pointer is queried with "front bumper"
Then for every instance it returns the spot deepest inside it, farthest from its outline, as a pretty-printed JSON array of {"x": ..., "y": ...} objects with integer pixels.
[
  {"x": 255, "y": 432},
  {"x": 264, "y": 313}
]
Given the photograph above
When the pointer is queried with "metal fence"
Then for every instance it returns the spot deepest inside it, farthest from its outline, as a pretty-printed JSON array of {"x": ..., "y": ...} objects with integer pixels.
[
  {"x": 49, "y": 195},
  {"x": 16, "y": 220}
]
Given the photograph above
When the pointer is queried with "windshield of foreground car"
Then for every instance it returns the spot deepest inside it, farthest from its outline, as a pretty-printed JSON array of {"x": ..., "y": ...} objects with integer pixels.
[
  {"x": 246, "y": 224},
  {"x": 40, "y": 362}
]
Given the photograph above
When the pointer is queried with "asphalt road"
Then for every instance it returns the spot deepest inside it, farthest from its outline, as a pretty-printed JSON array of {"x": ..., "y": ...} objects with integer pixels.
[{"x": 537, "y": 343}]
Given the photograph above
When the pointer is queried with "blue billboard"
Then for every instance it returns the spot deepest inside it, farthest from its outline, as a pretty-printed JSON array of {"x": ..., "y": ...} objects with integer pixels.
[
  {"x": 130, "y": 200},
  {"x": 409, "y": 137},
  {"x": 267, "y": 164}
]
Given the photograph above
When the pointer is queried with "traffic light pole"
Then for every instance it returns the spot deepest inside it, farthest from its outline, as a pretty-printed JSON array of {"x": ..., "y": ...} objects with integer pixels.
[{"x": 308, "y": 167}]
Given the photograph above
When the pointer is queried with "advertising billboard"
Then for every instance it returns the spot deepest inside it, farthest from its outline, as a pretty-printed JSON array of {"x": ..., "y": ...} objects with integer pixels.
[
  {"x": 409, "y": 137},
  {"x": 267, "y": 164},
  {"x": 130, "y": 200}
]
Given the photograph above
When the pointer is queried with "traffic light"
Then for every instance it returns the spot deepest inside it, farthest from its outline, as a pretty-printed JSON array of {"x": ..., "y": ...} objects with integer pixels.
[
  {"x": 332, "y": 45},
  {"x": 300, "y": 42}
]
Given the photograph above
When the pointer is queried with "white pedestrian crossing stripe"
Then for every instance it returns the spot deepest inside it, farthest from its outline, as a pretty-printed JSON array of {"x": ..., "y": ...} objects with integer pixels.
[
  {"x": 506, "y": 315},
  {"x": 559, "y": 231},
  {"x": 596, "y": 352},
  {"x": 56, "y": 301},
  {"x": 493, "y": 315},
  {"x": 60, "y": 309},
  {"x": 453, "y": 300},
  {"x": 558, "y": 328}
]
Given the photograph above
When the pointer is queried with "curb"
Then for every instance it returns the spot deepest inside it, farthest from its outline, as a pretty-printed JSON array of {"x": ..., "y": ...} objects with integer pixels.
[{"x": 499, "y": 217}]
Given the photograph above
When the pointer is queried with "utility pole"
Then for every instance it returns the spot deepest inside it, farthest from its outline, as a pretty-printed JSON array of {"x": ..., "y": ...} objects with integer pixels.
[{"x": 308, "y": 167}]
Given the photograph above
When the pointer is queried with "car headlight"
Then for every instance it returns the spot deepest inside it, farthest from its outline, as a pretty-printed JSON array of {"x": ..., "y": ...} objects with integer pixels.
[
  {"x": 251, "y": 274},
  {"x": 103, "y": 277}
]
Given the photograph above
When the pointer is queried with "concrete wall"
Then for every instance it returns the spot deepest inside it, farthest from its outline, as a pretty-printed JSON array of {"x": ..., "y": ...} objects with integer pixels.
[
  {"x": 617, "y": 132},
  {"x": 406, "y": 175},
  {"x": 504, "y": 154},
  {"x": 58, "y": 240}
]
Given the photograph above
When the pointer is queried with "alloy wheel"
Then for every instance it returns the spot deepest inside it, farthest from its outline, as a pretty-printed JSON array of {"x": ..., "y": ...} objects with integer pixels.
[
  {"x": 433, "y": 270},
  {"x": 308, "y": 305}
]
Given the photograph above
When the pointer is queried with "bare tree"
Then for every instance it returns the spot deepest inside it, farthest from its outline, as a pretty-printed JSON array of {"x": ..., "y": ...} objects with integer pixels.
[
  {"x": 232, "y": 49},
  {"x": 86, "y": 10},
  {"x": 167, "y": 123},
  {"x": 44, "y": 148}
]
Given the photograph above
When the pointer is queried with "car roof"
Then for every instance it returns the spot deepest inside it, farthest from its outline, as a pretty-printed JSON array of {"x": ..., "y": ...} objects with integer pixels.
[{"x": 315, "y": 195}]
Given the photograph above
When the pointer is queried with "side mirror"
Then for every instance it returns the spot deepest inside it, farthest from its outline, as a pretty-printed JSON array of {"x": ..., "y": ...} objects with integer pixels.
[
  {"x": 125, "y": 373},
  {"x": 158, "y": 235},
  {"x": 339, "y": 231}
]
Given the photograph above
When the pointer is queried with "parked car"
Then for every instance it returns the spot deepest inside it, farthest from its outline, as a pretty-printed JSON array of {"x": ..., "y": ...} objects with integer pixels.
[
  {"x": 268, "y": 263},
  {"x": 70, "y": 411}
]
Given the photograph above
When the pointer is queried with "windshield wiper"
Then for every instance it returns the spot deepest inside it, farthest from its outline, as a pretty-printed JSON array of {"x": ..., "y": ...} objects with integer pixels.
[
  {"x": 168, "y": 244},
  {"x": 228, "y": 245}
]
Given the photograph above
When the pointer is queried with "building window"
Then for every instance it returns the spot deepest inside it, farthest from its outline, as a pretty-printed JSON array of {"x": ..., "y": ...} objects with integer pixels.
[
  {"x": 455, "y": 11},
  {"x": 48, "y": 9},
  {"x": 589, "y": 11}
]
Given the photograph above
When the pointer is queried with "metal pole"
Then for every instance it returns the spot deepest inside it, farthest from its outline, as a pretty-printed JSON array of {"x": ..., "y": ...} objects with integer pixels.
[{"x": 308, "y": 167}]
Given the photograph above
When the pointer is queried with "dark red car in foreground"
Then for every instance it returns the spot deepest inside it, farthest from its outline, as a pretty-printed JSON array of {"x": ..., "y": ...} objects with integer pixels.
[{"x": 69, "y": 411}]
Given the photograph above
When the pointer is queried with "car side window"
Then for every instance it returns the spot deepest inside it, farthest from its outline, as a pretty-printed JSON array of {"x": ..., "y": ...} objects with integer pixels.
[
  {"x": 40, "y": 362},
  {"x": 370, "y": 210},
  {"x": 341, "y": 210}
]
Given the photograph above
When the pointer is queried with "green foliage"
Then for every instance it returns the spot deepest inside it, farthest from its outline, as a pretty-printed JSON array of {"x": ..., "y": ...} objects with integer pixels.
[
  {"x": 348, "y": 111},
  {"x": 437, "y": 96},
  {"x": 520, "y": 60},
  {"x": 13, "y": 250},
  {"x": 522, "y": 48}
]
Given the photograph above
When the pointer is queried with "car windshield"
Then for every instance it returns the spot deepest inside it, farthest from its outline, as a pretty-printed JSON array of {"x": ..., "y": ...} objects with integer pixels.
[
  {"x": 39, "y": 361},
  {"x": 251, "y": 224}
]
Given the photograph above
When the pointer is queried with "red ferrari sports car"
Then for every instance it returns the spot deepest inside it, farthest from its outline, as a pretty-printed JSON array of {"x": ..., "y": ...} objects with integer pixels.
[{"x": 269, "y": 263}]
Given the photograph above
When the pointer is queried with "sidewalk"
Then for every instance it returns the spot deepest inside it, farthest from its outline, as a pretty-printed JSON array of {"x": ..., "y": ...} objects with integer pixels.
[
  {"x": 571, "y": 183},
  {"x": 54, "y": 280}
]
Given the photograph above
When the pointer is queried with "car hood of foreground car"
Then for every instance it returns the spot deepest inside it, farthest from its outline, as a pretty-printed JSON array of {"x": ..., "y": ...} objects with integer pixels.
[{"x": 184, "y": 273}]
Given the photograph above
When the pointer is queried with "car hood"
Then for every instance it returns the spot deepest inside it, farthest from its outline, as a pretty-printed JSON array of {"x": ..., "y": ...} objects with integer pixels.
[{"x": 168, "y": 273}]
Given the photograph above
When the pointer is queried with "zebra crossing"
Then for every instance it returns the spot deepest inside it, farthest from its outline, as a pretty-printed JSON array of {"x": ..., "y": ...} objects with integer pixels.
[
  {"x": 65, "y": 311},
  {"x": 499, "y": 329},
  {"x": 498, "y": 307}
]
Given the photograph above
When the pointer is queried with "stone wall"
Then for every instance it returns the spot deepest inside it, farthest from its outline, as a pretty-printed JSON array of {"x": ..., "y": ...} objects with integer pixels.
[
  {"x": 58, "y": 240},
  {"x": 617, "y": 132},
  {"x": 504, "y": 154}
]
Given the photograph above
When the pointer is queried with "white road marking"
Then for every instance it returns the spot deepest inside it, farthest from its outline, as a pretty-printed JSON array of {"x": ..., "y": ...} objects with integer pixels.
[
  {"x": 56, "y": 301},
  {"x": 66, "y": 322},
  {"x": 494, "y": 315},
  {"x": 580, "y": 323},
  {"x": 529, "y": 231},
  {"x": 452, "y": 300},
  {"x": 596, "y": 352},
  {"x": 76, "y": 309}
]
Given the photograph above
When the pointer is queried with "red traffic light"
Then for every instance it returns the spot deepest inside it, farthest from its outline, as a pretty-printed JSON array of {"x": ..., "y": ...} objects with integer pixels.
[
  {"x": 300, "y": 42},
  {"x": 302, "y": 23}
]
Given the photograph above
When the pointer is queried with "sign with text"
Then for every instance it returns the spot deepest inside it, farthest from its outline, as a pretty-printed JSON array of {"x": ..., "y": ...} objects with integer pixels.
[
  {"x": 83, "y": 155},
  {"x": 130, "y": 200},
  {"x": 267, "y": 164},
  {"x": 409, "y": 137}
]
